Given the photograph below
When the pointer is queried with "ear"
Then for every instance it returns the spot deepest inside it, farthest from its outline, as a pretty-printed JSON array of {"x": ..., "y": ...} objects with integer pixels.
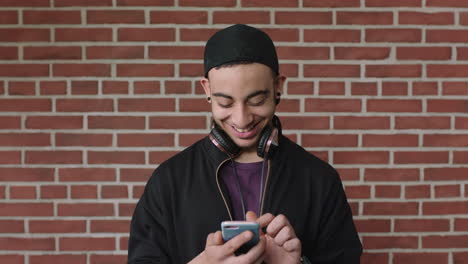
[
  {"x": 279, "y": 86},
  {"x": 206, "y": 86}
]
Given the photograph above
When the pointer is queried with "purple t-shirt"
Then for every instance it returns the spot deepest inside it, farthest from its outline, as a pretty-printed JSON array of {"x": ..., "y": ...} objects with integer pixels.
[{"x": 249, "y": 179}]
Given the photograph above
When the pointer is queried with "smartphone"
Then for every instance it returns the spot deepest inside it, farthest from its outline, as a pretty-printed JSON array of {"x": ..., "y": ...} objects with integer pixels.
[{"x": 231, "y": 229}]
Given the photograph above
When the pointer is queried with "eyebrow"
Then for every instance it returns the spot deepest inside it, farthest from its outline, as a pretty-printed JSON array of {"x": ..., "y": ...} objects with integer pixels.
[{"x": 265, "y": 92}]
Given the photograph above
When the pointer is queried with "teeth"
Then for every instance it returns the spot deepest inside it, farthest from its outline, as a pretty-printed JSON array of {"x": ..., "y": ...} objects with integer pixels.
[{"x": 243, "y": 130}]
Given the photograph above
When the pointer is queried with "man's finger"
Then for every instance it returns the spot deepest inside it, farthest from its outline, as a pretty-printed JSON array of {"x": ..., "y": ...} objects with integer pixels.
[
  {"x": 292, "y": 245},
  {"x": 236, "y": 242},
  {"x": 277, "y": 224},
  {"x": 255, "y": 254},
  {"x": 286, "y": 233},
  {"x": 250, "y": 216},
  {"x": 265, "y": 220}
]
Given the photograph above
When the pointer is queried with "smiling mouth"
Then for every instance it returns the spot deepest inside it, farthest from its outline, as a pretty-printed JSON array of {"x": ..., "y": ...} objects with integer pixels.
[{"x": 245, "y": 130}]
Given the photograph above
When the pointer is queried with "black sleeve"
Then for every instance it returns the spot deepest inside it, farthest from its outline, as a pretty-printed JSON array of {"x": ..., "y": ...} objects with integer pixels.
[
  {"x": 148, "y": 233},
  {"x": 338, "y": 241}
]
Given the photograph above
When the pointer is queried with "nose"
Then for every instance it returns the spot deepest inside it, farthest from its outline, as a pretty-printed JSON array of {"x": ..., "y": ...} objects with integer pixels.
[{"x": 241, "y": 116}]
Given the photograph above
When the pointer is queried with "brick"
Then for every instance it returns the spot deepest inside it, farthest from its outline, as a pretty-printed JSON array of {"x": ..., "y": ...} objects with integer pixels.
[
  {"x": 305, "y": 53},
  {"x": 54, "y": 157},
  {"x": 179, "y": 17},
  {"x": 10, "y": 122},
  {"x": 445, "y": 174},
  {"x": 116, "y": 122},
  {"x": 8, "y": 53},
  {"x": 423, "y": 18},
  {"x": 62, "y": 258},
  {"x": 190, "y": 70},
  {"x": 145, "y": 2},
  {"x": 303, "y": 18},
  {"x": 455, "y": 88},
  {"x": 112, "y": 157},
  {"x": 332, "y": 105},
  {"x": 97, "y": 259},
  {"x": 447, "y": 3},
  {"x": 135, "y": 174},
  {"x": 84, "y": 192},
  {"x": 419, "y": 157},
  {"x": 413, "y": 257},
  {"x": 331, "y": 71},
  {"x": 83, "y": 34},
  {"x": 425, "y": 88},
  {"x": 110, "y": 226},
  {"x": 54, "y": 122},
  {"x": 288, "y": 105},
  {"x": 24, "y": 70},
  {"x": 26, "y": 174},
  {"x": 447, "y": 71},
  {"x": 389, "y": 242},
  {"x": 372, "y": 225},
  {"x": 115, "y": 17},
  {"x": 361, "y": 122},
  {"x": 8, "y": 17},
  {"x": 53, "y": 87},
  {"x": 297, "y": 87},
  {"x": 146, "y": 140},
  {"x": 146, "y": 105},
  {"x": 25, "y": 139},
  {"x": 445, "y": 140},
  {"x": 112, "y": 52},
  {"x": 329, "y": 88},
  {"x": 281, "y": 34},
  {"x": 53, "y": 192},
  {"x": 362, "y": 53},
  {"x": 11, "y": 226},
  {"x": 178, "y": 87},
  {"x": 84, "y": 3},
  {"x": 290, "y": 70},
  {"x": 10, "y": 157},
  {"x": 331, "y": 3},
  {"x": 158, "y": 157},
  {"x": 422, "y": 122},
  {"x": 24, "y": 34},
  {"x": 461, "y": 224},
  {"x": 323, "y": 140},
  {"x": 369, "y": 258},
  {"x": 363, "y": 88},
  {"x": 388, "y": 70},
  {"x": 146, "y": 34},
  {"x": 208, "y": 3},
  {"x": 305, "y": 122},
  {"x": 417, "y": 191},
  {"x": 86, "y": 243},
  {"x": 422, "y": 225},
  {"x": 147, "y": 87},
  {"x": 394, "y": 88},
  {"x": 26, "y": 209},
  {"x": 12, "y": 259},
  {"x": 172, "y": 52},
  {"x": 460, "y": 257},
  {"x": 393, "y": 174},
  {"x": 115, "y": 87},
  {"x": 85, "y": 209},
  {"x": 52, "y": 53},
  {"x": 449, "y": 241},
  {"x": 86, "y": 174},
  {"x": 177, "y": 122},
  {"x": 361, "y": 157},
  {"x": 390, "y": 208},
  {"x": 460, "y": 157},
  {"x": 358, "y": 192},
  {"x": 447, "y": 36},
  {"x": 25, "y": 3},
  {"x": 332, "y": 35},
  {"x": 393, "y": 35},
  {"x": 51, "y": 17},
  {"x": 82, "y": 70},
  {"x": 27, "y": 244},
  {"x": 145, "y": 70},
  {"x": 442, "y": 191},
  {"x": 364, "y": 18},
  {"x": 23, "y": 192},
  {"x": 447, "y": 106},
  {"x": 461, "y": 122},
  {"x": 126, "y": 209},
  {"x": 84, "y": 87},
  {"x": 390, "y": 105},
  {"x": 85, "y": 105},
  {"x": 113, "y": 192},
  {"x": 387, "y": 191},
  {"x": 266, "y": 3},
  {"x": 244, "y": 17},
  {"x": 189, "y": 139},
  {"x": 57, "y": 226},
  {"x": 89, "y": 140},
  {"x": 424, "y": 53},
  {"x": 393, "y": 3},
  {"x": 194, "y": 105},
  {"x": 445, "y": 208}
]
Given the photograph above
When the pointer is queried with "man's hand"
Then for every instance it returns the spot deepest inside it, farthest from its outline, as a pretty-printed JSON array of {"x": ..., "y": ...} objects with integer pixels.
[
  {"x": 218, "y": 252},
  {"x": 282, "y": 245}
]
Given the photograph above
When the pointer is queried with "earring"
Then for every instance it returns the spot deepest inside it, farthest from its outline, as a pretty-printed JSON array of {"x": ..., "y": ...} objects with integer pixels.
[
  {"x": 278, "y": 98},
  {"x": 208, "y": 99}
]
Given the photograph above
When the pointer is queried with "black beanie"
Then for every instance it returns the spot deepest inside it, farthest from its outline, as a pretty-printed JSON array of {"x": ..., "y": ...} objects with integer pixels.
[{"x": 239, "y": 43}]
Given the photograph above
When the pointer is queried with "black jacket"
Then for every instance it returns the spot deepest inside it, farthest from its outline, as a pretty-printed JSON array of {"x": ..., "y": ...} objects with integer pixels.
[{"x": 184, "y": 201}]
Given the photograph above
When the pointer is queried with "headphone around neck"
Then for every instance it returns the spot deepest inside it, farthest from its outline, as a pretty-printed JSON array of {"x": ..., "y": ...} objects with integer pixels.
[{"x": 267, "y": 143}]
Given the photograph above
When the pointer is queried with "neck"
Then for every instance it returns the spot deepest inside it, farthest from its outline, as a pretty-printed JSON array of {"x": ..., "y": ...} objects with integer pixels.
[{"x": 248, "y": 157}]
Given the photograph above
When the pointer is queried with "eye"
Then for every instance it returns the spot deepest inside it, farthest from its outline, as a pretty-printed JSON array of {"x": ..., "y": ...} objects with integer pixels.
[
  {"x": 257, "y": 100},
  {"x": 224, "y": 103}
]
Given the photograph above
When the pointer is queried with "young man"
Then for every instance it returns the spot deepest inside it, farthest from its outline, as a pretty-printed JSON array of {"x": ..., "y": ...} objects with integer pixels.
[{"x": 244, "y": 170}]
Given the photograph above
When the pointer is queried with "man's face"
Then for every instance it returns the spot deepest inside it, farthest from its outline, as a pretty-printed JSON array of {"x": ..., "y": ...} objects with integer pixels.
[{"x": 243, "y": 100}]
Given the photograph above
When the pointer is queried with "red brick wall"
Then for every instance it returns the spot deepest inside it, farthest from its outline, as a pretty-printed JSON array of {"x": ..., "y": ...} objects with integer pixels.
[{"x": 95, "y": 94}]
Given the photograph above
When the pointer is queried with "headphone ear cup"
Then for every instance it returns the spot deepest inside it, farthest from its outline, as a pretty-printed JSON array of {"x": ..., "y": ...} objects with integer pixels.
[
  {"x": 224, "y": 142},
  {"x": 263, "y": 141}
]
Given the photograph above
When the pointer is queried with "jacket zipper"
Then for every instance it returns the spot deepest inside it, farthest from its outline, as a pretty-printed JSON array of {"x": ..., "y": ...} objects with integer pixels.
[
  {"x": 219, "y": 188},
  {"x": 224, "y": 199}
]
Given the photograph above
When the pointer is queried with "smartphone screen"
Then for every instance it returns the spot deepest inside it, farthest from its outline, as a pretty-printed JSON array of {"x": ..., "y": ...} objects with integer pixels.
[{"x": 231, "y": 229}]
